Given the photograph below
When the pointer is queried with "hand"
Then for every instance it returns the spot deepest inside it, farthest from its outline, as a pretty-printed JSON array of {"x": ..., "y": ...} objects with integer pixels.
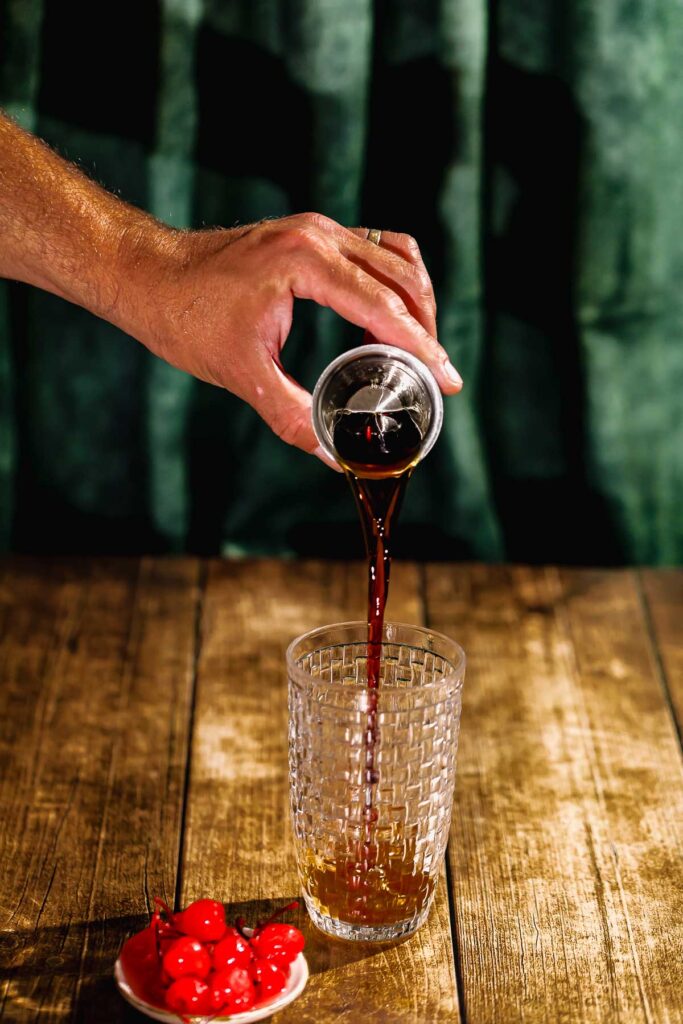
[
  {"x": 219, "y": 304},
  {"x": 215, "y": 303}
]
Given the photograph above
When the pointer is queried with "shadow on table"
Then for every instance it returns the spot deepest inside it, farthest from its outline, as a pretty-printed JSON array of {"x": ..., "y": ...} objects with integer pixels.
[
  {"x": 322, "y": 953},
  {"x": 44, "y": 965}
]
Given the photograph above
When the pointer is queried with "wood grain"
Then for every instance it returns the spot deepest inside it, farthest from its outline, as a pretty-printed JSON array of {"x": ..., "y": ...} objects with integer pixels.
[
  {"x": 238, "y": 841},
  {"x": 96, "y": 669},
  {"x": 663, "y": 590},
  {"x": 566, "y": 849},
  {"x": 566, "y": 844}
]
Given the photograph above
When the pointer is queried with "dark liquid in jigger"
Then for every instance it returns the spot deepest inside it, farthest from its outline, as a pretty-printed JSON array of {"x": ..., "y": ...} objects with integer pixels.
[
  {"x": 378, "y": 451},
  {"x": 376, "y": 444}
]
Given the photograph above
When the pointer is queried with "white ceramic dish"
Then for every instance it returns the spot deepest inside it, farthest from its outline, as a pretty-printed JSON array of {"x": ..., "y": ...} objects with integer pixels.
[{"x": 298, "y": 976}]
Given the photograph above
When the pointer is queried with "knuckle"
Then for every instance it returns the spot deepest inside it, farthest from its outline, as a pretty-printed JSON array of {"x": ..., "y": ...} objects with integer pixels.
[
  {"x": 419, "y": 278},
  {"x": 422, "y": 283},
  {"x": 424, "y": 280},
  {"x": 316, "y": 220},
  {"x": 427, "y": 293},
  {"x": 412, "y": 246},
  {"x": 392, "y": 303},
  {"x": 301, "y": 237},
  {"x": 291, "y": 428}
]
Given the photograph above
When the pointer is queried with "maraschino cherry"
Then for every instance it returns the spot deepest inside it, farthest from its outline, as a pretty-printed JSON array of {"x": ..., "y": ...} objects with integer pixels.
[
  {"x": 232, "y": 990},
  {"x": 268, "y": 978},
  {"x": 234, "y": 950},
  {"x": 189, "y": 996},
  {"x": 281, "y": 943},
  {"x": 194, "y": 964},
  {"x": 203, "y": 919},
  {"x": 187, "y": 956}
]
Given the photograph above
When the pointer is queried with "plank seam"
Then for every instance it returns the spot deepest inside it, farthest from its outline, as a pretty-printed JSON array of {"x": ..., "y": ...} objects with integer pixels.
[
  {"x": 656, "y": 655},
  {"x": 564, "y": 624},
  {"x": 198, "y": 637},
  {"x": 457, "y": 963},
  {"x": 114, "y": 755}
]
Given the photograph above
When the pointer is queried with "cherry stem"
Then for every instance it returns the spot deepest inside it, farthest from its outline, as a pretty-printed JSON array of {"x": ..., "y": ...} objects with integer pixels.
[
  {"x": 276, "y": 913},
  {"x": 156, "y": 918},
  {"x": 165, "y": 907}
]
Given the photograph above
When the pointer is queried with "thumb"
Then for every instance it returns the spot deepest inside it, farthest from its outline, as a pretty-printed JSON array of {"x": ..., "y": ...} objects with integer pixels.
[{"x": 286, "y": 408}]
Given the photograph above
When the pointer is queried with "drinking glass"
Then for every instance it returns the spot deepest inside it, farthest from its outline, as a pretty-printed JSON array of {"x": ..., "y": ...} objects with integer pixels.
[{"x": 372, "y": 773}]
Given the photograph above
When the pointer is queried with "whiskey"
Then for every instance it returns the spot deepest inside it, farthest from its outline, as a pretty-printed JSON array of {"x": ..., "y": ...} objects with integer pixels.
[
  {"x": 387, "y": 893},
  {"x": 377, "y": 451},
  {"x": 378, "y": 411}
]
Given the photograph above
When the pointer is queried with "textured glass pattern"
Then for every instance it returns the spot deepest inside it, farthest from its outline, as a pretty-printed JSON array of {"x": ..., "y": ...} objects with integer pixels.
[{"x": 369, "y": 849}]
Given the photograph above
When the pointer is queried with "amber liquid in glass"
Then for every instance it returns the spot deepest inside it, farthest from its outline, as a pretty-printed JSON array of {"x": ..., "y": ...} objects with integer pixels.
[
  {"x": 387, "y": 893},
  {"x": 373, "y": 881}
]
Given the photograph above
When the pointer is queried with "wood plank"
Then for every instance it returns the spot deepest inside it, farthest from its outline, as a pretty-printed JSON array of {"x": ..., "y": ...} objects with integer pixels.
[
  {"x": 239, "y": 845},
  {"x": 566, "y": 846},
  {"x": 663, "y": 589},
  {"x": 97, "y": 670}
]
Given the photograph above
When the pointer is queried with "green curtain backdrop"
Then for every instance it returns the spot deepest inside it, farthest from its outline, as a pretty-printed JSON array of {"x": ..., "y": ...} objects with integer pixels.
[{"x": 533, "y": 147}]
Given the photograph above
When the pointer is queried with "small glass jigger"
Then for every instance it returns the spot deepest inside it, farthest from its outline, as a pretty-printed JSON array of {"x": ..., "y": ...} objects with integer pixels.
[{"x": 379, "y": 381}]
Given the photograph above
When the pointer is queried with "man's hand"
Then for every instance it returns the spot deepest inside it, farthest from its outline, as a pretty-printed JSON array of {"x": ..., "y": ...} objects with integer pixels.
[
  {"x": 220, "y": 306},
  {"x": 217, "y": 304}
]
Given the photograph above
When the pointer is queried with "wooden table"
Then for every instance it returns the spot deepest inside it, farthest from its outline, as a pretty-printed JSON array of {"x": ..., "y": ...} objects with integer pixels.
[{"x": 143, "y": 752}]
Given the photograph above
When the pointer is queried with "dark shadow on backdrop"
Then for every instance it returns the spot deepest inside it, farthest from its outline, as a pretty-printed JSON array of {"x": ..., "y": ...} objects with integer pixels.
[
  {"x": 253, "y": 118},
  {"x": 254, "y": 121},
  {"x": 411, "y": 140},
  {"x": 100, "y": 69},
  {"x": 535, "y": 136},
  {"x": 45, "y": 519},
  {"x": 107, "y": 89}
]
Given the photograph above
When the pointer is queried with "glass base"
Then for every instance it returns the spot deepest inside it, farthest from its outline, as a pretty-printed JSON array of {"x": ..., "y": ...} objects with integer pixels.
[{"x": 365, "y": 932}]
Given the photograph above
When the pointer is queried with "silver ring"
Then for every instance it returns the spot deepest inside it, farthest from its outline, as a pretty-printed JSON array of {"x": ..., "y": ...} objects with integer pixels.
[{"x": 373, "y": 235}]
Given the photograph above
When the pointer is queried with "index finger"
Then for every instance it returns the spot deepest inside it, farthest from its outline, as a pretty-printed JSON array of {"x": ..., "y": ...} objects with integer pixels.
[
  {"x": 331, "y": 280},
  {"x": 404, "y": 246}
]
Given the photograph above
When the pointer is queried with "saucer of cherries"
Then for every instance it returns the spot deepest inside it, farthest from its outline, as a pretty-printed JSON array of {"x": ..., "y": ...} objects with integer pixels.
[{"x": 195, "y": 967}]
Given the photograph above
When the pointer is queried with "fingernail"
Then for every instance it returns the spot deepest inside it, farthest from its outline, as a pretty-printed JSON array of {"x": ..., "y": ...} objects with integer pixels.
[
  {"x": 452, "y": 373},
  {"x": 324, "y": 457}
]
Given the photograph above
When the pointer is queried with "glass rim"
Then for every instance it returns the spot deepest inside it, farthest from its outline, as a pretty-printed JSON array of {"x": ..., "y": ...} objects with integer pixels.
[
  {"x": 303, "y": 678},
  {"x": 379, "y": 350}
]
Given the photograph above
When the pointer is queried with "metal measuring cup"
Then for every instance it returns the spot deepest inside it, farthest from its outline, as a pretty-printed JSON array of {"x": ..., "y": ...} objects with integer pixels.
[{"x": 378, "y": 380}]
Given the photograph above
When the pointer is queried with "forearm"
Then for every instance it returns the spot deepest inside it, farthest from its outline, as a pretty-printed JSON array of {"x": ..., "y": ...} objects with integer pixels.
[
  {"x": 62, "y": 232},
  {"x": 217, "y": 304}
]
